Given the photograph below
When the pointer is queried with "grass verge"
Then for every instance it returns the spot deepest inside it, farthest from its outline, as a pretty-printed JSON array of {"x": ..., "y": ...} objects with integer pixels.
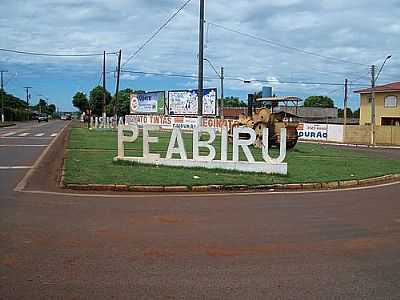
[{"x": 90, "y": 156}]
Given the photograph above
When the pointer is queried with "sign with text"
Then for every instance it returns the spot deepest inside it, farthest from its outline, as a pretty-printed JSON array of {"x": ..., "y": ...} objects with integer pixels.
[
  {"x": 184, "y": 102},
  {"x": 183, "y": 122},
  {"x": 204, "y": 138},
  {"x": 308, "y": 131},
  {"x": 147, "y": 103}
]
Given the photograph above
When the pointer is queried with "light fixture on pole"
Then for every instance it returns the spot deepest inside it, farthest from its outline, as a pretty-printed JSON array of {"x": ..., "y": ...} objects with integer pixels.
[
  {"x": 221, "y": 77},
  {"x": 374, "y": 78}
]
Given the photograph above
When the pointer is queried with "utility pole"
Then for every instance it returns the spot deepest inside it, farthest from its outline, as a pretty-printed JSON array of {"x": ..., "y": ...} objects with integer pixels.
[
  {"x": 27, "y": 94},
  {"x": 345, "y": 101},
  {"x": 2, "y": 96},
  {"x": 373, "y": 78},
  {"x": 222, "y": 94},
  {"x": 117, "y": 85},
  {"x": 201, "y": 63},
  {"x": 104, "y": 85}
]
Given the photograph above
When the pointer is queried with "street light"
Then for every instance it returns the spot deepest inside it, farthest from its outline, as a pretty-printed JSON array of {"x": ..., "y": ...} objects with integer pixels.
[
  {"x": 221, "y": 77},
  {"x": 2, "y": 96},
  {"x": 373, "y": 108}
]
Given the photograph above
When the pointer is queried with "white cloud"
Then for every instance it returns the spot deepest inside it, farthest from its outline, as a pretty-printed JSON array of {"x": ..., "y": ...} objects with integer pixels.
[{"x": 335, "y": 28}]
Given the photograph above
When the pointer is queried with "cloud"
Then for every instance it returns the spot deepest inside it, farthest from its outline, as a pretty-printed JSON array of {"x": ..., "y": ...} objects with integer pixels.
[{"x": 330, "y": 28}]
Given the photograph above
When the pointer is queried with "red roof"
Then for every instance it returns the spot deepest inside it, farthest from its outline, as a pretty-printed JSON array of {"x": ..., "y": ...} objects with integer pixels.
[{"x": 390, "y": 87}]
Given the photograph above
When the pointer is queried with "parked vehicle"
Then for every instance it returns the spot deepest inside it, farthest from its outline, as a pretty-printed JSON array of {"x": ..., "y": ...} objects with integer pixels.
[
  {"x": 43, "y": 118},
  {"x": 66, "y": 117}
]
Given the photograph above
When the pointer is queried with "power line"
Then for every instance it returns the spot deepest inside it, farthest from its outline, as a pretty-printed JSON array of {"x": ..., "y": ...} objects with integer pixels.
[
  {"x": 278, "y": 44},
  {"x": 53, "y": 54},
  {"x": 166, "y": 74},
  {"x": 156, "y": 32},
  {"x": 240, "y": 79}
]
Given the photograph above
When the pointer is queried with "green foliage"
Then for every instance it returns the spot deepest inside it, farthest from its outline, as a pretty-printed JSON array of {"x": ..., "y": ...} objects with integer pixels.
[
  {"x": 80, "y": 101},
  {"x": 123, "y": 105},
  {"x": 90, "y": 160},
  {"x": 319, "y": 101},
  {"x": 44, "y": 107},
  {"x": 341, "y": 113},
  {"x": 356, "y": 114},
  {"x": 233, "y": 102},
  {"x": 96, "y": 100},
  {"x": 15, "y": 109}
]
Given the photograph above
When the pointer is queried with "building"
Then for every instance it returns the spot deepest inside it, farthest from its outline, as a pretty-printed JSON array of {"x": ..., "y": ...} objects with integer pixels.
[{"x": 387, "y": 105}]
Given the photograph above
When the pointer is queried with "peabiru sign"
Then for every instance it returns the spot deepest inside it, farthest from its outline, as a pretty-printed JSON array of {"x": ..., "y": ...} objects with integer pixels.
[{"x": 176, "y": 147}]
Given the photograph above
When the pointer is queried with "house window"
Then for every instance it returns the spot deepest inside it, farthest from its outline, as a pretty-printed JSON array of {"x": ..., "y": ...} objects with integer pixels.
[{"x": 390, "y": 101}]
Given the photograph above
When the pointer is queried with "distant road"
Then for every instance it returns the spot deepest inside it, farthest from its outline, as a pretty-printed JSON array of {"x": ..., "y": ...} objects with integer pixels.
[{"x": 334, "y": 245}]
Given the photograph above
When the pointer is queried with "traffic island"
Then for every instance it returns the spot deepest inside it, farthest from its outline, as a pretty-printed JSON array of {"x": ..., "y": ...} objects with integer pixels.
[{"x": 89, "y": 165}]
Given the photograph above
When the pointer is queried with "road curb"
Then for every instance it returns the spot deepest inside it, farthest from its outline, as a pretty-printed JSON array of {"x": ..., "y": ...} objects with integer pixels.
[{"x": 331, "y": 185}]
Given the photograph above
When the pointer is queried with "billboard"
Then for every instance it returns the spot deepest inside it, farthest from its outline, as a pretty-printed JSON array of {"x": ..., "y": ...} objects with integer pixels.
[
  {"x": 147, "y": 103},
  {"x": 184, "y": 102},
  {"x": 310, "y": 131}
]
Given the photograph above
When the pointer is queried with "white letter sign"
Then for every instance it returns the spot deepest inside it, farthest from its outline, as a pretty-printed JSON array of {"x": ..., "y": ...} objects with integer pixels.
[{"x": 243, "y": 138}]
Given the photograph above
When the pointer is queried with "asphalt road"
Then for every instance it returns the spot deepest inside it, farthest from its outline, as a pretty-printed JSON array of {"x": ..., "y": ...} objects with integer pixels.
[{"x": 334, "y": 245}]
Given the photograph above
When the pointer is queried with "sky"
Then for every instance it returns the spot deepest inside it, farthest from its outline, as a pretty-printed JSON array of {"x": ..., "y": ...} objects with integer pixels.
[{"x": 322, "y": 41}]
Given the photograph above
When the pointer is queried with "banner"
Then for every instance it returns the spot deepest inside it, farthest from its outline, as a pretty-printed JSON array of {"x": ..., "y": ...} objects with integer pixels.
[
  {"x": 184, "y": 102},
  {"x": 308, "y": 131},
  {"x": 147, "y": 103},
  {"x": 182, "y": 122}
]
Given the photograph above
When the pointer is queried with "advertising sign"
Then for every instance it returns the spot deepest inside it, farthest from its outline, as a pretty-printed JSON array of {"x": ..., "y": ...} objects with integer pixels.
[
  {"x": 147, "y": 103},
  {"x": 182, "y": 122},
  {"x": 317, "y": 132},
  {"x": 184, "y": 102}
]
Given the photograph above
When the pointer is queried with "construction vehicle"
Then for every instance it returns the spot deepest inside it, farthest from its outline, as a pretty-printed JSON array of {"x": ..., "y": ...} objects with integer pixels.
[{"x": 261, "y": 115}]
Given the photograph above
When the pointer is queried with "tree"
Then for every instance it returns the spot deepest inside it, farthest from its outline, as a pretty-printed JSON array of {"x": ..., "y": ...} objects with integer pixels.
[
  {"x": 96, "y": 100},
  {"x": 80, "y": 101},
  {"x": 356, "y": 114},
  {"x": 319, "y": 101},
  {"x": 341, "y": 113},
  {"x": 124, "y": 102},
  {"x": 51, "y": 109},
  {"x": 233, "y": 102},
  {"x": 42, "y": 106},
  {"x": 124, "y": 99}
]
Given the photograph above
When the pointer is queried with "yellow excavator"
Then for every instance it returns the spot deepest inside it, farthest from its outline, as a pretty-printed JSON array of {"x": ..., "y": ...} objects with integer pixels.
[{"x": 261, "y": 115}]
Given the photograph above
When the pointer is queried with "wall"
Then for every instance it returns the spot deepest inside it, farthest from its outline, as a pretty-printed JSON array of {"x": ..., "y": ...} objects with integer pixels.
[
  {"x": 380, "y": 109},
  {"x": 384, "y": 135}
]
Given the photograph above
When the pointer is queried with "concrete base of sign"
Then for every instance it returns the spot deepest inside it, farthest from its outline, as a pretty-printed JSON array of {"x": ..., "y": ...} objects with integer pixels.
[{"x": 243, "y": 166}]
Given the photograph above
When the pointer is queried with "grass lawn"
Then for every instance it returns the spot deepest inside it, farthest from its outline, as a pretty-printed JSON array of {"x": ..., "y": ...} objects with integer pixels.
[
  {"x": 90, "y": 160},
  {"x": 6, "y": 124}
]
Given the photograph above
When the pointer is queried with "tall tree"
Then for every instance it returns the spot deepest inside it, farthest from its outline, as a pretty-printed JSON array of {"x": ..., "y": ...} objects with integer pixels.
[
  {"x": 341, "y": 113},
  {"x": 319, "y": 101},
  {"x": 356, "y": 114},
  {"x": 233, "y": 102},
  {"x": 96, "y": 100},
  {"x": 80, "y": 101}
]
